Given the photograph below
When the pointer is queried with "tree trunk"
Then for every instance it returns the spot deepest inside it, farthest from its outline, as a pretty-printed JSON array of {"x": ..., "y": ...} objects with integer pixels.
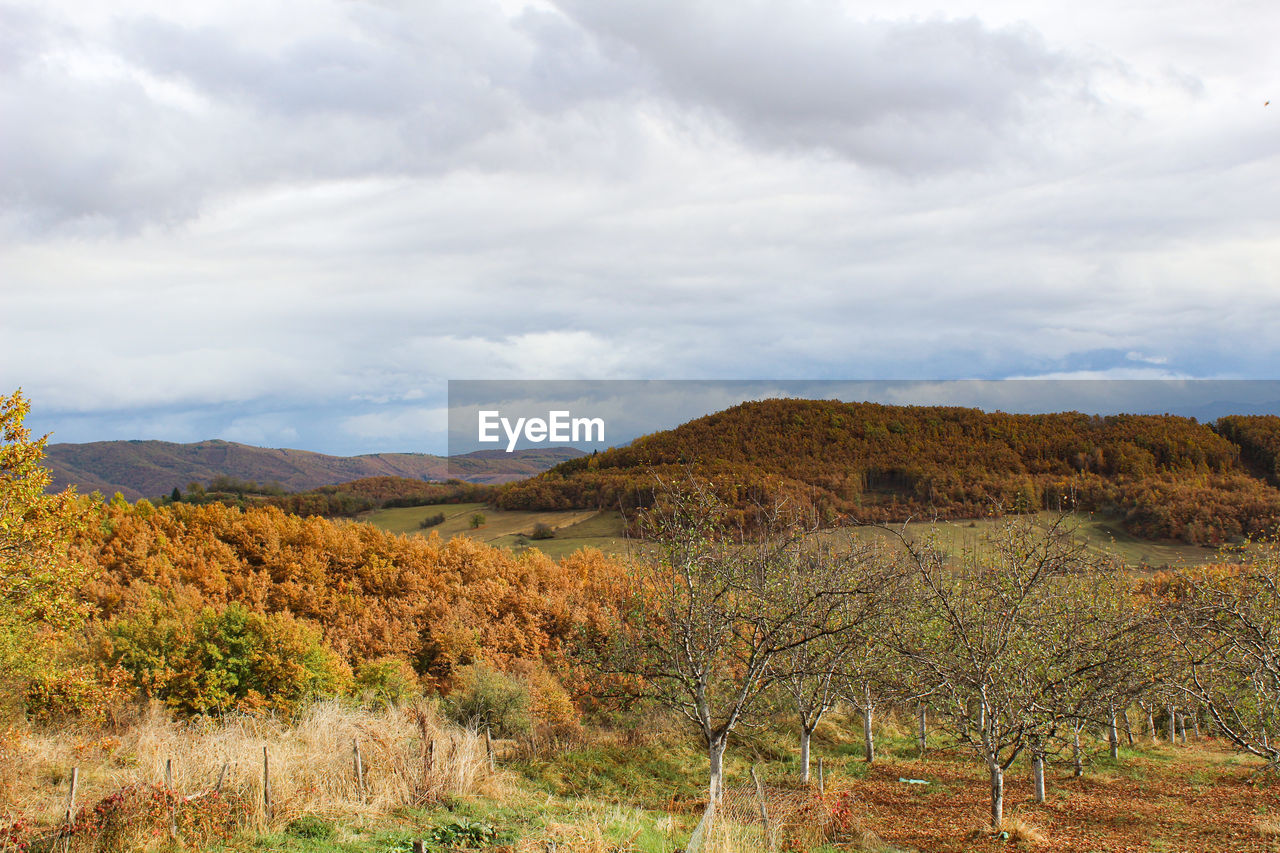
[
  {"x": 1173, "y": 725},
  {"x": 1037, "y": 776},
  {"x": 715, "y": 752},
  {"x": 997, "y": 794},
  {"x": 1151, "y": 723},
  {"x": 1077, "y": 760},
  {"x": 922, "y": 737},
  {"x": 806, "y": 735},
  {"x": 1182, "y": 727},
  {"x": 868, "y": 740},
  {"x": 1113, "y": 736}
]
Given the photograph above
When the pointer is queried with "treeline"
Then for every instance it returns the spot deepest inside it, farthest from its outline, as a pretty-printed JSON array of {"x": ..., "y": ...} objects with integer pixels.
[
  {"x": 1165, "y": 476},
  {"x": 345, "y": 500},
  {"x": 291, "y": 608},
  {"x": 1259, "y": 439}
]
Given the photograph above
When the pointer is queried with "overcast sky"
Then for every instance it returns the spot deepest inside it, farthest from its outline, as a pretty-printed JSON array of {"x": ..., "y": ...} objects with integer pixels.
[{"x": 288, "y": 223}]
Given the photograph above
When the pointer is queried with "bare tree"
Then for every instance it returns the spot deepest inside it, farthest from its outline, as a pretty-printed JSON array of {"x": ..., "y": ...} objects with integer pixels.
[
  {"x": 1008, "y": 640},
  {"x": 1225, "y": 626},
  {"x": 817, "y": 674},
  {"x": 717, "y": 606}
]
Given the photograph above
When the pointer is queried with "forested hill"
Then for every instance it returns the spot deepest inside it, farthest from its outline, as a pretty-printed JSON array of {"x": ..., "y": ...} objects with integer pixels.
[
  {"x": 139, "y": 469},
  {"x": 1167, "y": 477}
]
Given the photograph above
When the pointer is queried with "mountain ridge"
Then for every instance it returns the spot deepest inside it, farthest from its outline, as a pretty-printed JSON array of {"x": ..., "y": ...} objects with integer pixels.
[{"x": 139, "y": 468}]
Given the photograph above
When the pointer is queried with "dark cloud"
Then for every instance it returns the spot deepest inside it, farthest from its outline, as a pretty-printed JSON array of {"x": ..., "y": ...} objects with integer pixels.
[{"x": 911, "y": 95}]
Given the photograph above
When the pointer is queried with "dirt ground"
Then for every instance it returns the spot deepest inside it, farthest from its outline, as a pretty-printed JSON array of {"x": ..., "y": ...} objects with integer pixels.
[{"x": 1194, "y": 799}]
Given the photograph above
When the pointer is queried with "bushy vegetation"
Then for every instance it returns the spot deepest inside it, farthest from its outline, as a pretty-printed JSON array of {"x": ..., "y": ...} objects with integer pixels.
[
  {"x": 214, "y": 660},
  {"x": 371, "y": 594},
  {"x": 486, "y": 698}
]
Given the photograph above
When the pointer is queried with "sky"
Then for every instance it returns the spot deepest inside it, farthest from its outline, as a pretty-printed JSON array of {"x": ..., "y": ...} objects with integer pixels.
[{"x": 290, "y": 223}]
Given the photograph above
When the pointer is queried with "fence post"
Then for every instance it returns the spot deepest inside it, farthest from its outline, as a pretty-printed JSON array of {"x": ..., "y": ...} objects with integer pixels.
[
  {"x": 358, "y": 762},
  {"x": 266, "y": 786},
  {"x": 222, "y": 774},
  {"x": 822, "y": 781},
  {"x": 764, "y": 813},
  {"x": 488, "y": 748},
  {"x": 169, "y": 792},
  {"x": 71, "y": 808},
  {"x": 418, "y": 846}
]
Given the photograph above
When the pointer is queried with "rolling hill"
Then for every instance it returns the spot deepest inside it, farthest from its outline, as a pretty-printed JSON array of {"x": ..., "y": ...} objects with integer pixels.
[
  {"x": 1161, "y": 476},
  {"x": 139, "y": 469}
]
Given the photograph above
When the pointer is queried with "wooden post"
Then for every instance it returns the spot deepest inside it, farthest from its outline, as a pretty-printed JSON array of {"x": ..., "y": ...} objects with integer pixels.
[
  {"x": 431, "y": 757},
  {"x": 488, "y": 748},
  {"x": 822, "y": 782},
  {"x": 764, "y": 812},
  {"x": 922, "y": 736},
  {"x": 358, "y": 763},
  {"x": 418, "y": 846},
  {"x": 266, "y": 786},
  {"x": 70, "y": 816},
  {"x": 169, "y": 792},
  {"x": 222, "y": 774}
]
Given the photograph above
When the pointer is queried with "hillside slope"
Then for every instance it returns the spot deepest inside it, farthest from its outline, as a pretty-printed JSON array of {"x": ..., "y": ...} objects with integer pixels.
[
  {"x": 1167, "y": 477},
  {"x": 150, "y": 468}
]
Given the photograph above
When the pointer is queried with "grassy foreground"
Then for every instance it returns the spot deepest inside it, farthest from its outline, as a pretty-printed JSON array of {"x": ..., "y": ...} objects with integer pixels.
[{"x": 618, "y": 791}]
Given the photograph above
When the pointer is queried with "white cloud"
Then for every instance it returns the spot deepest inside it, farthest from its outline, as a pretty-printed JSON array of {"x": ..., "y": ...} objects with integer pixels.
[{"x": 321, "y": 210}]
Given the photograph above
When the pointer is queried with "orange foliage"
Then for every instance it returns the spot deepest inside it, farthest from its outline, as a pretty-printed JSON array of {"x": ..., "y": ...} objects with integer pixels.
[
  {"x": 1169, "y": 477},
  {"x": 373, "y": 594}
]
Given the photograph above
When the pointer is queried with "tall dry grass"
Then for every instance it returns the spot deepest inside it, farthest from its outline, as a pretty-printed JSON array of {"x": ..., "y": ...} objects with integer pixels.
[
  {"x": 311, "y": 762},
  {"x": 794, "y": 819}
]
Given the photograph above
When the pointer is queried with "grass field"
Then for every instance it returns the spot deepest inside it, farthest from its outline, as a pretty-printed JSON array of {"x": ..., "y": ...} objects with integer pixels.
[
  {"x": 643, "y": 793},
  {"x": 1100, "y": 534},
  {"x": 576, "y": 529}
]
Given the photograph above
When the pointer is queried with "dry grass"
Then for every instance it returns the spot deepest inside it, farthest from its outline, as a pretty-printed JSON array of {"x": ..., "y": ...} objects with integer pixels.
[
  {"x": 797, "y": 820},
  {"x": 311, "y": 762},
  {"x": 1023, "y": 832},
  {"x": 1267, "y": 827}
]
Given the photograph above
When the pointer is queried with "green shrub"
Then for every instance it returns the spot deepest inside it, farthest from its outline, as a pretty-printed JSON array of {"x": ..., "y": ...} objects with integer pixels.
[
  {"x": 542, "y": 531},
  {"x": 213, "y": 661},
  {"x": 431, "y": 521},
  {"x": 484, "y": 696},
  {"x": 477, "y": 520},
  {"x": 388, "y": 680},
  {"x": 311, "y": 826},
  {"x": 467, "y": 833}
]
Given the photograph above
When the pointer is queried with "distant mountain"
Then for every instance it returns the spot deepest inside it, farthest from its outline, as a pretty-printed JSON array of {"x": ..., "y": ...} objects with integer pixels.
[{"x": 148, "y": 469}]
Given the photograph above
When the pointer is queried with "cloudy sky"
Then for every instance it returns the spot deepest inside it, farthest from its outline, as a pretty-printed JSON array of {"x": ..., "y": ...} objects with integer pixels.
[{"x": 289, "y": 223}]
